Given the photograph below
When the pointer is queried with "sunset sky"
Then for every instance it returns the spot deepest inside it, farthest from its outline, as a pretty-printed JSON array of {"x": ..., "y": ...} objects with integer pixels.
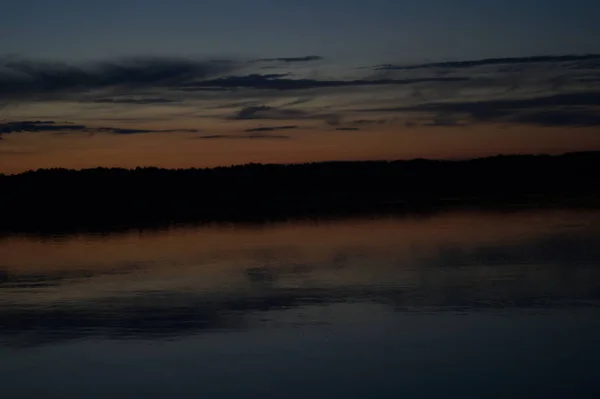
[{"x": 218, "y": 82}]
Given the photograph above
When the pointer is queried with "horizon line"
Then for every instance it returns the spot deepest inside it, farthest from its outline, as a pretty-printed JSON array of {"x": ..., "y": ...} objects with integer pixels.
[{"x": 540, "y": 154}]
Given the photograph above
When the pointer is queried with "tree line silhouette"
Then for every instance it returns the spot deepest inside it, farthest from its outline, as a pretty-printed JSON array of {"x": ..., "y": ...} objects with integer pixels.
[{"x": 104, "y": 198}]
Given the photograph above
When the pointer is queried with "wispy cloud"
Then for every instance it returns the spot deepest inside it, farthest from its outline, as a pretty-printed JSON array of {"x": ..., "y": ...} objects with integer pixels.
[
  {"x": 271, "y": 128},
  {"x": 370, "y": 122},
  {"x": 559, "y": 118},
  {"x": 264, "y": 112},
  {"x": 252, "y": 136},
  {"x": 567, "y": 109},
  {"x": 52, "y": 126},
  {"x": 138, "y": 131},
  {"x": 280, "y": 82},
  {"x": 307, "y": 58},
  {"x": 136, "y": 101},
  {"x": 559, "y": 90},
  {"x": 26, "y": 79},
  {"x": 493, "y": 61},
  {"x": 38, "y": 126}
]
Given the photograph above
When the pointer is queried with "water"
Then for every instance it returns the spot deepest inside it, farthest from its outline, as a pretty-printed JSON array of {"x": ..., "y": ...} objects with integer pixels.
[{"x": 452, "y": 305}]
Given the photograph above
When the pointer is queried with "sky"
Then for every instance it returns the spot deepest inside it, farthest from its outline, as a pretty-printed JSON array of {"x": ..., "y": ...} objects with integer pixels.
[{"x": 204, "y": 83}]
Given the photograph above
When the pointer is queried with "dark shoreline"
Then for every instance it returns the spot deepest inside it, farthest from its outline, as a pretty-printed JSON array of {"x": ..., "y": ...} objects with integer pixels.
[{"x": 60, "y": 201}]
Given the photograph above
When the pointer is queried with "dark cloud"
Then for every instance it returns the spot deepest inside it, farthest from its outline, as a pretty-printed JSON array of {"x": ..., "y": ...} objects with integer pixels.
[
  {"x": 347, "y": 128},
  {"x": 299, "y": 101},
  {"x": 436, "y": 92},
  {"x": 251, "y": 136},
  {"x": 139, "y": 131},
  {"x": 252, "y": 112},
  {"x": 567, "y": 109},
  {"x": 444, "y": 121},
  {"x": 280, "y": 82},
  {"x": 51, "y": 126},
  {"x": 140, "y": 101},
  {"x": 37, "y": 126},
  {"x": 148, "y": 81},
  {"x": 370, "y": 122},
  {"x": 39, "y": 122},
  {"x": 259, "y": 136},
  {"x": 493, "y": 107},
  {"x": 307, "y": 58},
  {"x": 270, "y": 128},
  {"x": 26, "y": 79},
  {"x": 203, "y": 89},
  {"x": 213, "y": 136},
  {"x": 492, "y": 61},
  {"x": 560, "y": 118},
  {"x": 265, "y": 112}
]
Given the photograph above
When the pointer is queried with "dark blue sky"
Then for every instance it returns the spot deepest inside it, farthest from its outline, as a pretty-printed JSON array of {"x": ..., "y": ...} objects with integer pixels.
[
  {"x": 358, "y": 30},
  {"x": 179, "y": 83}
]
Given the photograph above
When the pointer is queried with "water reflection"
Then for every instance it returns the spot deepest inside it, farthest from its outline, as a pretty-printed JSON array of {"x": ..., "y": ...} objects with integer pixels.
[
  {"x": 451, "y": 274},
  {"x": 173, "y": 283}
]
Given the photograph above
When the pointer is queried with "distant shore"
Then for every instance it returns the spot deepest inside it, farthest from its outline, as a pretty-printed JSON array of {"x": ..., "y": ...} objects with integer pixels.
[{"x": 61, "y": 200}]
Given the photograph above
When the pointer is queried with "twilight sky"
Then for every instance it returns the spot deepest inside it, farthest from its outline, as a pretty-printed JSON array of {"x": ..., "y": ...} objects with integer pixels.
[{"x": 202, "y": 83}]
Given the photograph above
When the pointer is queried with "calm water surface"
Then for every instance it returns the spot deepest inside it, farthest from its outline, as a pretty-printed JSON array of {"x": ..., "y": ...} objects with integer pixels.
[{"x": 451, "y": 305}]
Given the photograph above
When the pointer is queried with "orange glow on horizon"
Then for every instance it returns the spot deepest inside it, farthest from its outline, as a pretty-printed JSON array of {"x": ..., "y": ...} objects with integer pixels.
[{"x": 182, "y": 150}]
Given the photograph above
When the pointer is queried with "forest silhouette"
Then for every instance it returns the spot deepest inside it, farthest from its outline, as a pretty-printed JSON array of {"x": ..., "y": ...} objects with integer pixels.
[{"x": 55, "y": 200}]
